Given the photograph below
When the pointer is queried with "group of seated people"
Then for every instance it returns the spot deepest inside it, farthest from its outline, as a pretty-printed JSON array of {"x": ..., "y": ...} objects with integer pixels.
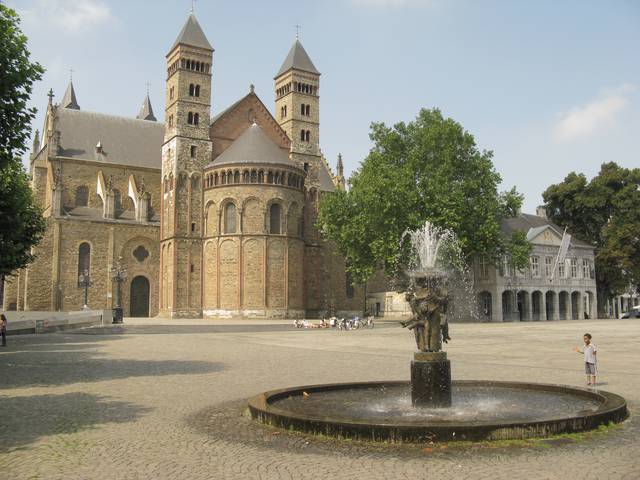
[{"x": 335, "y": 322}]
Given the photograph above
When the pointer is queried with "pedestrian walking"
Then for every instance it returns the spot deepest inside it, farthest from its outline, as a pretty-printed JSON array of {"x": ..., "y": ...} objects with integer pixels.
[
  {"x": 3, "y": 329},
  {"x": 589, "y": 351}
]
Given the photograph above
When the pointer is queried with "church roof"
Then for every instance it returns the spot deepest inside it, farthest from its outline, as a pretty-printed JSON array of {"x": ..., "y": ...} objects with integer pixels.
[
  {"x": 146, "y": 112},
  {"x": 192, "y": 35},
  {"x": 254, "y": 146},
  {"x": 124, "y": 141},
  {"x": 69, "y": 99},
  {"x": 298, "y": 59}
]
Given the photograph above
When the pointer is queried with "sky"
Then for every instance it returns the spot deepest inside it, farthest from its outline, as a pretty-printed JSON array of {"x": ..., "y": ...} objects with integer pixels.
[{"x": 549, "y": 86}]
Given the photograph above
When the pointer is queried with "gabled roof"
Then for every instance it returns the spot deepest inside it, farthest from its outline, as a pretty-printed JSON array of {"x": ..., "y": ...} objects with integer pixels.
[
  {"x": 192, "y": 35},
  {"x": 69, "y": 99},
  {"x": 297, "y": 59},
  {"x": 253, "y": 146},
  {"x": 124, "y": 141},
  {"x": 146, "y": 112},
  {"x": 533, "y": 225}
]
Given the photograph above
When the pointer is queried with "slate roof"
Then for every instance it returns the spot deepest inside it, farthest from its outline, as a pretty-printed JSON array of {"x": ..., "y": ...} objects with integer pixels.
[
  {"x": 298, "y": 59},
  {"x": 146, "y": 112},
  {"x": 535, "y": 224},
  {"x": 254, "y": 146},
  {"x": 125, "y": 141},
  {"x": 192, "y": 35},
  {"x": 69, "y": 99}
]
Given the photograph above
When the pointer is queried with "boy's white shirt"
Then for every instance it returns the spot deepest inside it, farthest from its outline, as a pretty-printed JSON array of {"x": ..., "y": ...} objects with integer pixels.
[{"x": 590, "y": 353}]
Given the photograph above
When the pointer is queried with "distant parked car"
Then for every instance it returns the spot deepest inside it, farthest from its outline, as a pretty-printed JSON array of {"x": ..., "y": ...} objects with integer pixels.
[{"x": 633, "y": 313}]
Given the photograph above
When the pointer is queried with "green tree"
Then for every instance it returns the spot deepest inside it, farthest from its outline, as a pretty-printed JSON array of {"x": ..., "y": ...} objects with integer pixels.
[
  {"x": 604, "y": 212},
  {"x": 17, "y": 75},
  {"x": 427, "y": 169},
  {"x": 21, "y": 222}
]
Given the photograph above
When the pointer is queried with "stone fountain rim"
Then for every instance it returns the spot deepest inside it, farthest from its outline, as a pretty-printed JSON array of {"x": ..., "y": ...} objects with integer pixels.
[{"x": 612, "y": 408}]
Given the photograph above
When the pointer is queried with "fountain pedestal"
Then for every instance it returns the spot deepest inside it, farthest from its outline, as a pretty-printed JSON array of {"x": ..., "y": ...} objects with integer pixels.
[{"x": 430, "y": 379}]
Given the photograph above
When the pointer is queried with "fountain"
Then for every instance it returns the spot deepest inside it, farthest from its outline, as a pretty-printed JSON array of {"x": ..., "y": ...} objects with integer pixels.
[{"x": 431, "y": 407}]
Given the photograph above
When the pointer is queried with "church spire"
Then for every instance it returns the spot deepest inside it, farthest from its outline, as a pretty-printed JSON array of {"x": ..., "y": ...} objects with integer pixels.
[
  {"x": 192, "y": 35},
  {"x": 69, "y": 99},
  {"x": 146, "y": 112},
  {"x": 297, "y": 59}
]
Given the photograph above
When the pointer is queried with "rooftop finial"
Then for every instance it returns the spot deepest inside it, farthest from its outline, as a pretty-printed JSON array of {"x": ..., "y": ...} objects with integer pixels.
[
  {"x": 50, "y": 95},
  {"x": 148, "y": 85},
  {"x": 71, "y": 74},
  {"x": 193, "y": 6},
  {"x": 297, "y": 27},
  {"x": 252, "y": 88}
]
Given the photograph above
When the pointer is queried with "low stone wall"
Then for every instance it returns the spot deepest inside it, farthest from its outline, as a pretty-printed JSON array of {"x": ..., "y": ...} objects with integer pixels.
[{"x": 20, "y": 323}]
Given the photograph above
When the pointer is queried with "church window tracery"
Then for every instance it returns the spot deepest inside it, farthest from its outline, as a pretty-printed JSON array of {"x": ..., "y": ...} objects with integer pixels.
[{"x": 84, "y": 259}]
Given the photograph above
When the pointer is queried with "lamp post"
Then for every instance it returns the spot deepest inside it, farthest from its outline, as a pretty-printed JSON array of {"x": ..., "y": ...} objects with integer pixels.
[
  {"x": 118, "y": 275},
  {"x": 84, "y": 281}
]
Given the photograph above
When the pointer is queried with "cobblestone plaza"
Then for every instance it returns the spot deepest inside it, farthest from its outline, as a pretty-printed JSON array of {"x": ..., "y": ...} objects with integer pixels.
[{"x": 165, "y": 400}]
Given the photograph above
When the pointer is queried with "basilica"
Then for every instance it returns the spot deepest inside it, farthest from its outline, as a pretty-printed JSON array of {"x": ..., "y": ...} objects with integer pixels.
[{"x": 203, "y": 216}]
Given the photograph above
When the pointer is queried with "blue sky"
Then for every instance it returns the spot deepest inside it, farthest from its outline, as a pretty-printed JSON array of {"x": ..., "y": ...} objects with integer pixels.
[{"x": 549, "y": 86}]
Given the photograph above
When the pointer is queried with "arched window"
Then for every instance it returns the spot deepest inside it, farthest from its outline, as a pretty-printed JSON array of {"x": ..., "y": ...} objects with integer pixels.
[
  {"x": 270, "y": 177},
  {"x": 84, "y": 258},
  {"x": 236, "y": 177},
  {"x": 302, "y": 109},
  {"x": 215, "y": 179},
  {"x": 190, "y": 118},
  {"x": 254, "y": 176},
  {"x": 192, "y": 90},
  {"x": 306, "y": 136},
  {"x": 302, "y": 135},
  {"x": 197, "y": 92},
  {"x": 245, "y": 176},
  {"x": 117, "y": 200},
  {"x": 274, "y": 219},
  {"x": 196, "y": 119},
  {"x": 308, "y": 110},
  {"x": 82, "y": 196},
  {"x": 188, "y": 64},
  {"x": 230, "y": 218}
]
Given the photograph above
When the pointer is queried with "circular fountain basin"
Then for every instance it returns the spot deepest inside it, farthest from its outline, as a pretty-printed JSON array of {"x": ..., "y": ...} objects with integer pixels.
[{"x": 480, "y": 410}]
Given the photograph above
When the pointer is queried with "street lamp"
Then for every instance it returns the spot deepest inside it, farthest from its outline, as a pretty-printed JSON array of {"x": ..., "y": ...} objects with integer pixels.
[
  {"x": 118, "y": 275},
  {"x": 84, "y": 281}
]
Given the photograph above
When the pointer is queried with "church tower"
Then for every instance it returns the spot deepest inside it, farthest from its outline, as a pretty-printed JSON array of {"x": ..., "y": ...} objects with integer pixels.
[
  {"x": 297, "y": 85},
  {"x": 186, "y": 149}
]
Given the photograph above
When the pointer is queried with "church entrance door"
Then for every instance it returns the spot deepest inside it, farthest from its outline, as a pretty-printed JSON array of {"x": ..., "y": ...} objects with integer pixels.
[{"x": 139, "y": 298}]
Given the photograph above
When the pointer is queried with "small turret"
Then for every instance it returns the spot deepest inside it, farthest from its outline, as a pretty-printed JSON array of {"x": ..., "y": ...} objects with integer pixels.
[
  {"x": 69, "y": 99},
  {"x": 146, "y": 111},
  {"x": 339, "y": 179}
]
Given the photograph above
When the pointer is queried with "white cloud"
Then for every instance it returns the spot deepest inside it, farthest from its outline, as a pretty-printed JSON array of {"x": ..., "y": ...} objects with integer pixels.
[
  {"x": 391, "y": 3},
  {"x": 70, "y": 15},
  {"x": 595, "y": 115}
]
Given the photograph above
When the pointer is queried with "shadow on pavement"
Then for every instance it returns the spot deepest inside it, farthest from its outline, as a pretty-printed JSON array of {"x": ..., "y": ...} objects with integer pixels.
[{"x": 27, "y": 418}]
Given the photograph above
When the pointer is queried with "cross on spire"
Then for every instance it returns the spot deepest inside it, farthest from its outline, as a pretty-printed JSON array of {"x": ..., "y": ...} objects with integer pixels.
[
  {"x": 297, "y": 27},
  {"x": 50, "y": 95},
  {"x": 148, "y": 85},
  {"x": 193, "y": 6},
  {"x": 71, "y": 74}
]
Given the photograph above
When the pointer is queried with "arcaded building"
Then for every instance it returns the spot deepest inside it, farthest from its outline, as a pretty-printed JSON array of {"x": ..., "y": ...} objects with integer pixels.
[{"x": 209, "y": 216}]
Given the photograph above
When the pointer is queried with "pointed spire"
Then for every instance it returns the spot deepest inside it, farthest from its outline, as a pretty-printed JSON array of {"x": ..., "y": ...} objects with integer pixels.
[
  {"x": 69, "y": 99},
  {"x": 146, "y": 112},
  {"x": 340, "y": 166},
  {"x": 298, "y": 59},
  {"x": 192, "y": 35}
]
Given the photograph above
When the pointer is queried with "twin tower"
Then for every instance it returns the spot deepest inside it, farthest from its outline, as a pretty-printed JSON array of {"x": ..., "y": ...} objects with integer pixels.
[{"x": 240, "y": 195}]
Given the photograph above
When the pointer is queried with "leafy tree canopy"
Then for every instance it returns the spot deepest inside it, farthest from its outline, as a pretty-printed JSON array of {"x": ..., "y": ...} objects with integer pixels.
[
  {"x": 604, "y": 212},
  {"x": 427, "y": 169},
  {"x": 21, "y": 222},
  {"x": 17, "y": 75}
]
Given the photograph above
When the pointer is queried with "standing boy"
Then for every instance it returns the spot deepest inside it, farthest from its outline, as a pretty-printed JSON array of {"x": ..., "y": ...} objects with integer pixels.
[
  {"x": 3, "y": 329},
  {"x": 590, "y": 362}
]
